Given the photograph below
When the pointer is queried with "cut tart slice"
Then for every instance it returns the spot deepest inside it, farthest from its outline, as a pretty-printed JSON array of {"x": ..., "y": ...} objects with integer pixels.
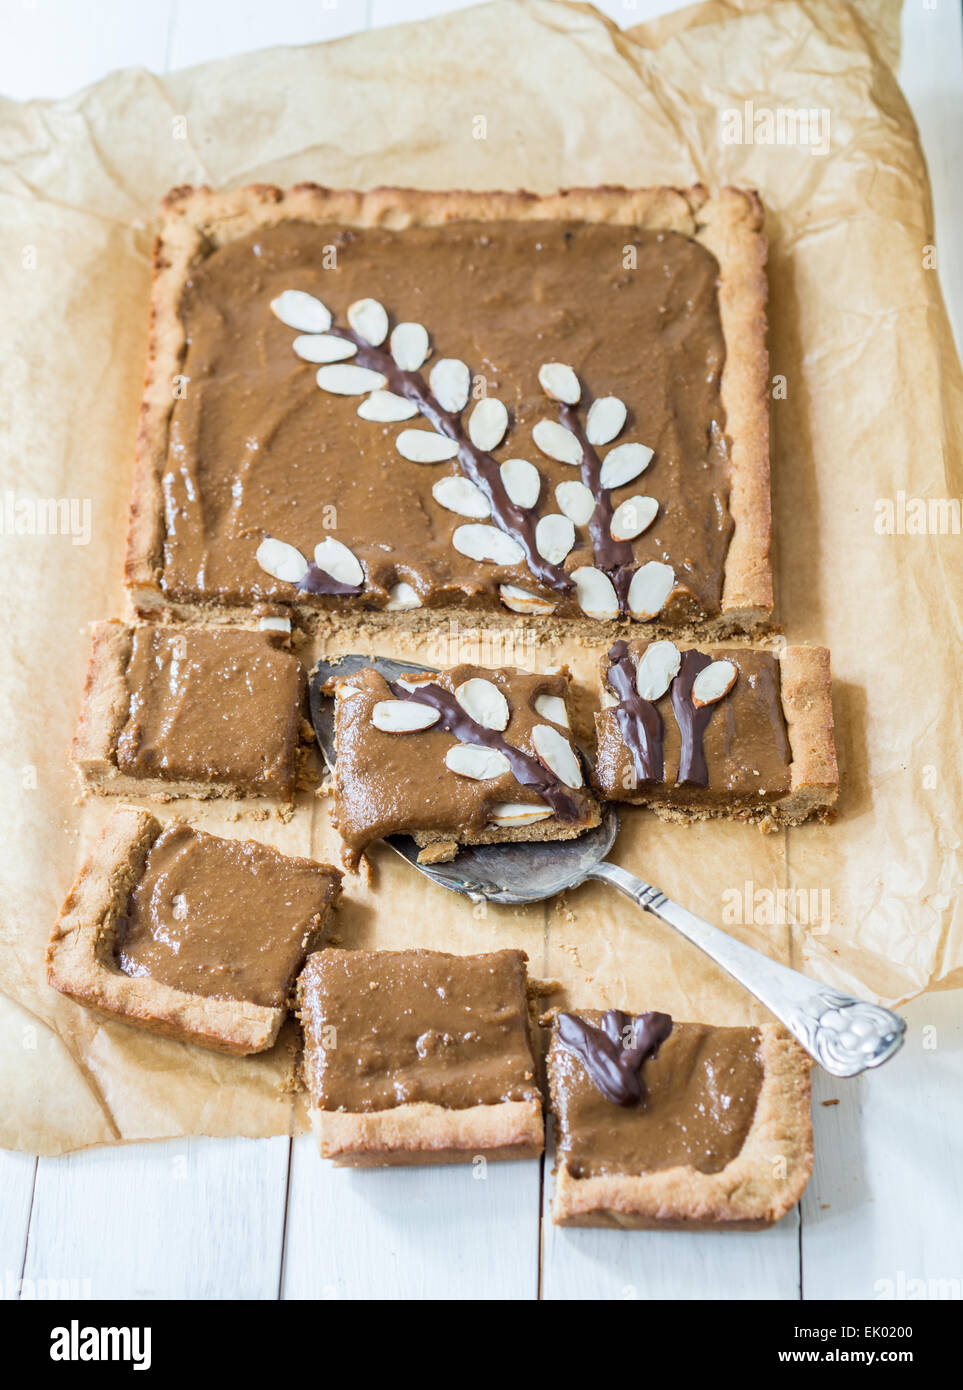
[
  {"x": 419, "y": 1056},
  {"x": 722, "y": 732},
  {"x": 187, "y": 711},
  {"x": 558, "y": 404},
  {"x": 676, "y": 1125},
  {"x": 459, "y": 757},
  {"x": 188, "y": 935}
]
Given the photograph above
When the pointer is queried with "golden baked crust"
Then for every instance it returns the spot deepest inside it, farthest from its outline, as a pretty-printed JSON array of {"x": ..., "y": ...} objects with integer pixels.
[
  {"x": 423, "y": 1133},
  {"x": 80, "y": 955},
  {"x": 756, "y": 1189},
  {"x": 729, "y": 225}
]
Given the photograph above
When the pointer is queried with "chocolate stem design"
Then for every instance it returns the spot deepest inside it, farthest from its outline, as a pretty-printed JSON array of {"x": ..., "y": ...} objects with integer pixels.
[
  {"x": 692, "y": 720},
  {"x": 526, "y": 770},
  {"x": 615, "y": 558},
  {"x": 639, "y": 720},
  {"x": 614, "y": 1068},
  {"x": 478, "y": 466}
]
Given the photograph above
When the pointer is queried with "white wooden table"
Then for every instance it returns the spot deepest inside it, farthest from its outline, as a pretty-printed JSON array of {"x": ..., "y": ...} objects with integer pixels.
[{"x": 265, "y": 1218}]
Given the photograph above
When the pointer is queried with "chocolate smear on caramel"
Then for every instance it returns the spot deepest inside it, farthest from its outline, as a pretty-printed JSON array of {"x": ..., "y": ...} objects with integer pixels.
[
  {"x": 318, "y": 581},
  {"x": 639, "y": 720},
  {"x": 526, "y": 770},
  {"x": 478, "y": 466},
  {"x": 613, "y": 1053},
  {"x": 692, "y": 720}
]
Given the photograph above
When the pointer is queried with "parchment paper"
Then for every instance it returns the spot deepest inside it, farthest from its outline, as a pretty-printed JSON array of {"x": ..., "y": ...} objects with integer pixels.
[{"x": 866, "y": 406}]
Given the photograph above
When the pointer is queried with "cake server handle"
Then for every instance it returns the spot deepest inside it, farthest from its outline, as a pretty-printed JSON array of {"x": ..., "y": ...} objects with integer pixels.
[{"x": 845, "y": 1035}]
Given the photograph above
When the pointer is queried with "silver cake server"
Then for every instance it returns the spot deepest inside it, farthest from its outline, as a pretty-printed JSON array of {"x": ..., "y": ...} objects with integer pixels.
[{"x": 845, "y": 1035}]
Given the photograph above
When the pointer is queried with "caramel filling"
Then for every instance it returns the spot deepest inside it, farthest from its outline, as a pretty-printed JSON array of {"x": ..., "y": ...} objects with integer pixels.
[
  {"x": 700, "y": 1096},
  {"x": 212, "y": 706},
  {"x": 387, "y": 1028},
  {"x": 257, "y": 449},
  {"x": 228, "y": 919}
]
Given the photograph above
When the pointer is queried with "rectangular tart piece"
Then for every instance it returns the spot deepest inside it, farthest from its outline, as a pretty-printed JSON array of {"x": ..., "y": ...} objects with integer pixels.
[
  {"x": 189, "y": 935},
  {"x": 465, "y": 756},
  {"x": 562, "y": 407},
  {"x": 726, "y": 732},
  {"x": 710, "y": 1130},
  {"x": 188, "y": 711},
  {"x": 419, "y": 1056}
]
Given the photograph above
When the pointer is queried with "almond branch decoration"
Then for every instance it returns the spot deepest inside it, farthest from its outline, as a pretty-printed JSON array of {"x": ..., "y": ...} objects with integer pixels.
[{"x": 499, "y": 501}]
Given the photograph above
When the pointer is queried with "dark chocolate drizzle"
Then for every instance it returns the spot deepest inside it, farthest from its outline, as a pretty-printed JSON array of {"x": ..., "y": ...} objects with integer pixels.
[
  {"x": 616, "y": 558},
  {"x": 478, "y": 466},
  {"x": 528, "y": 771},
  {"x": 639, "y": 720},
  {"x": 614, "y": 1068},
  {"x": 692, "y": 720},
  {"x": 318, "y": 581}
]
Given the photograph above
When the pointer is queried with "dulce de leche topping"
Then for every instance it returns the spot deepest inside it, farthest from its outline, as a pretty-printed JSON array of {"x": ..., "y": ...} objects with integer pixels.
[
  {"x": 699, "y": 1095},
  {"x": 399, "y": 783},
  {"x": 214, "y": 705},
  {"x": 256, "y": 449},
  {"x": 228, "y": 919},
  {"x": 387, "y": 1028},
  {"x": 741, "y": 739}
]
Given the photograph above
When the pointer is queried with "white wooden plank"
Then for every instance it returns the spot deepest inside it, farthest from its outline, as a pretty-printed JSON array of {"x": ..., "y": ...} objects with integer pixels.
[
  {"x": 883, "y": 1207},
  {"x": 629, "y": 1265},
  {"x": 193, "y": 1218},
  {"x": 206, "y": 29},
  {"x": 51, "y": 48},
  {"x": 17, "y": 1172},
  {"x": 450, "y": 1232}
]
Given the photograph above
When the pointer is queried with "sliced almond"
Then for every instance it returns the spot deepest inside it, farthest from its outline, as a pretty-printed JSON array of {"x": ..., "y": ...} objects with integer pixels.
[
  {"x": 403, "y": 716},
  {"x": 488, "y": 544},
  {"x": 557, "y": 442},
  {"x": 385, "y": 408},
  {"x": 343, "y": 379},
  {"x": 607, "y": 700},
  {"x": 623, "y": 463},
  {"x": 558, "y": 755},
  {"x": 512, "y": 815},
  {"x": 337, "y": 560},
  {"x": 554, "y": 537},
  {"x": 301, "y": 311},
  {"x": 484, "y": 702},
  {"x": 323, "y": 347},
  {"x": 658, "y": 668},
  {"x": 595, "y": 592},
  {"x": 560, "y": 382},
  {"x": 650, "y": 588},
  {"x": 552, "y": 708},
  {"x": 369, "y": 320},
  {"x": 274, "y": 625},
  {"x": 605, "y": 419},
  {"x": 522, "y": 481},
  {"x": 712, "y": 682},
  {"x": 632, "y": 517},
  {"x": 401, "y": 597},
  {"x": 460, "y": 495},
  {"x": 450, "y": 383},
  {"x": 281, "y": 561},
  {"x": 477, "y": 762},
  {"x": 576, "y": 501},
  {"x": 424, "y": 446},
  {"x": 521, "y": 601},
  {"x": 412, "y": 682},
  {"x": 409, "y": 346},
  {"x": 487, "y": 424}
]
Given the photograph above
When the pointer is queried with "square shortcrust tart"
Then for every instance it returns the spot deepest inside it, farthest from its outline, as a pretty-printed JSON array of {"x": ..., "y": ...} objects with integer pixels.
[{"x": 403, "y": 402}]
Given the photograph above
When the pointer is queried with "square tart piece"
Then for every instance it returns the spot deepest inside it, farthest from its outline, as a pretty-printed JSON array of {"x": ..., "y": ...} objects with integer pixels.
[
  {"x": 618, "y": 467},
  {"x": 189, "y": 935},
  {"x": 461, "y": 757},
  {"x": 419, "y": 1057},
  {"x": 722, "y": 732},
  {"x": 187, "y": 711},
  {"x": 719, "y": 1138}
]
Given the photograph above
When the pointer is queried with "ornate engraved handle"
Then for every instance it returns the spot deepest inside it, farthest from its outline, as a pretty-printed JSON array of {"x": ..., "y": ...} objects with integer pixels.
[{"x": 844, "y": 1035}]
